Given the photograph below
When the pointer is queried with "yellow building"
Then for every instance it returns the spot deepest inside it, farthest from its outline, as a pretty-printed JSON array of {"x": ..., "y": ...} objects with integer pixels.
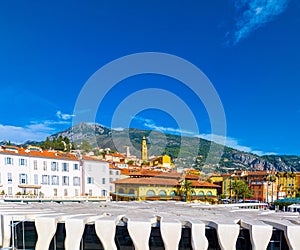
[
  {"x": 287, "y": 183},
  {"x": 162, "y": 187},
  {"x": 298, "y": 184},
  {"x": 144, "y": 150},
  {"x": 162, "y": 161}
]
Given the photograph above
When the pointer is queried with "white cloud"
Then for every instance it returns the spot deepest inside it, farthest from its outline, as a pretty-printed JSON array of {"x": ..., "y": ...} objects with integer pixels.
[
  {"x": 253, "y": 14},
  {"x": 168, "y": 129},
  {"x": 227, "y": 141},
  {"x": 151, "y": 125},
  {"x": 118, "y": 129},
  {"x": 60, "y": 115},
  {"x": 34, "y": 132},
  {"x": 258, "y": 152}
]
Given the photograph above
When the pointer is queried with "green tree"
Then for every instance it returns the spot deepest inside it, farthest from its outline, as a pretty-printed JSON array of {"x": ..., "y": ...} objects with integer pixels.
[
  {"x": 74, "y": 145},
  {"x": 68, "y": 143},
  {"x": 186, "y": 189},
  {"x": 54, "y": 143},
  {"x": 60, "y": 145},
  {"x": 240, "y": 189},
  {"x": 270, "y": 180},
  {"x": 86, "y": 146},
  {"x": 245, "y": 191},
  {"x": 46, "y": 144}
]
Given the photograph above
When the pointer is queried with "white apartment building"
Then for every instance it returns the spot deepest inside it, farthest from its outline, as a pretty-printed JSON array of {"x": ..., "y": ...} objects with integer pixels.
[
  {"x": 114, "y": 175},
  {"x": 95, "y": 177},
  {"x": 45, "y": 173}
]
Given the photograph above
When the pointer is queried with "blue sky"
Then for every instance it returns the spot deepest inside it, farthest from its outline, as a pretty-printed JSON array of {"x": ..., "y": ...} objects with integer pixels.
[{"x": 248, "y": 49}]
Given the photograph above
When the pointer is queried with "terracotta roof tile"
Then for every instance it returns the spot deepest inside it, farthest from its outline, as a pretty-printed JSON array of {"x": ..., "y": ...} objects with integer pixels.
[{"x": 42, "y": 153}]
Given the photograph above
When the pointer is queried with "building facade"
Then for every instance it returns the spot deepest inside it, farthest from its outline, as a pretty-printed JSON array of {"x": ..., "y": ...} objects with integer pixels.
[
  {"x": 42, "y": 173},
  {"x": 95, "y": 177},
  {"x": 163, "y": 186}
]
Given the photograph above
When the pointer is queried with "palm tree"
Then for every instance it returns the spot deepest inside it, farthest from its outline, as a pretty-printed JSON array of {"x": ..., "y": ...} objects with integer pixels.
[
  {"x": 293, "y": 175},
  {"x": 287, "y": 176},
  {"x": 279, "y": 176},
  {"x": 186, "y": 189},
  {"x": 237, "y": 187},
  {"x": 270, "y": 178},
  {"x": 245, "y": 191}
]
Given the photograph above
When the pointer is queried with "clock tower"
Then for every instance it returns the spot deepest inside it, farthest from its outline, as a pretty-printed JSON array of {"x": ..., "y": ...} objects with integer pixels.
[{"x": 144, "y": 152}]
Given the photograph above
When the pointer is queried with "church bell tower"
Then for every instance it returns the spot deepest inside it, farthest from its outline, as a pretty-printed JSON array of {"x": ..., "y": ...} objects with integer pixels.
[{"x": 144, "y": 152}]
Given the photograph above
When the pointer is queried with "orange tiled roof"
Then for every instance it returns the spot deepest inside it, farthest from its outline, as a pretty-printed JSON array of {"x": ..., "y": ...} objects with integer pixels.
[
  {"x": 204, "y": 184},
  {"x": 111, "y": 166},
  {"x": 90, "y": 158},
  {"x": 11, "y": 150},
  {"x": 126, "y": 171},
  {"x": 115, "y": 155}
]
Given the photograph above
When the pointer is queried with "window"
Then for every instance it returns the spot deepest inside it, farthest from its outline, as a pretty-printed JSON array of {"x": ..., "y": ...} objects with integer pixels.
[
  {"x": 54, "y": 166},
  {"x": 201, "y": 193},
  {"x": 9, "y": 178},
  {"x": 121, "y": 191},
  {"x": 162, "y": 193},
  {"x": 65, "y": 167},
  {"x": 65, "y": 180},
  {"x": 131, "y": 191},
  {"x": 103, "y": 192},
  {"x": 45, "y": 179},
  {"x": 55, "y": 192},
  {"x": 22, "y": 162},
  {"x": 9, "y": 161},
  {"x": 209, "y": 193},
  {"x": 44, "y": 165},
  {"x": 65, "y": 192},
  {"x": 90, "y": 180},
  {"x": 22, "y": 178},
  {"x": 76, "y": 181},
  {"x": 173, "y": 193},
  {"x": 76, "y": 192},
  {"x": 9, "y": 191},
  {"x": 150, "y": 193},
  {"x": 36, "y": 179},
  {"x": 103, "y": 180},
  {"x": 90, "y": 192},
  {"x": 54, "y": 180},
  {"x": 35, "y": 167},
  {"x": 76, "y": 166}
]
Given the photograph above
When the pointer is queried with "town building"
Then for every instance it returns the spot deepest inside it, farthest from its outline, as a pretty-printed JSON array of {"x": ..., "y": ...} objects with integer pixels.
[
  {"x": 95, "y": 177},
  {"x": 154, "y": 185},
  {"x": 144, "y": 150},
  {"x": 266, "y": 186},
  {"x": 163, "y": 161},
  {"x": 287, "y": 184},
  {"x": 114, "y": 175},
  {"x": 42, "y": 173}
]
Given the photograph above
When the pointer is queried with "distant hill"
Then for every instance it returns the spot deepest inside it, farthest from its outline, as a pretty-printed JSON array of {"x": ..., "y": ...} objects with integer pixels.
[{"x": 169, "y": 144}]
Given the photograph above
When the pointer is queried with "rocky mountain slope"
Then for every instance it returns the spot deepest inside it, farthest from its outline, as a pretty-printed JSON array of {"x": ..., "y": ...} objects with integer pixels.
[{"x": 159, "y": 143}]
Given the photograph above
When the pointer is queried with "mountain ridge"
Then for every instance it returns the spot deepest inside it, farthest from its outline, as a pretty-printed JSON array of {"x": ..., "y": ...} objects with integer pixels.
[{"x": 232, "y": 159}]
